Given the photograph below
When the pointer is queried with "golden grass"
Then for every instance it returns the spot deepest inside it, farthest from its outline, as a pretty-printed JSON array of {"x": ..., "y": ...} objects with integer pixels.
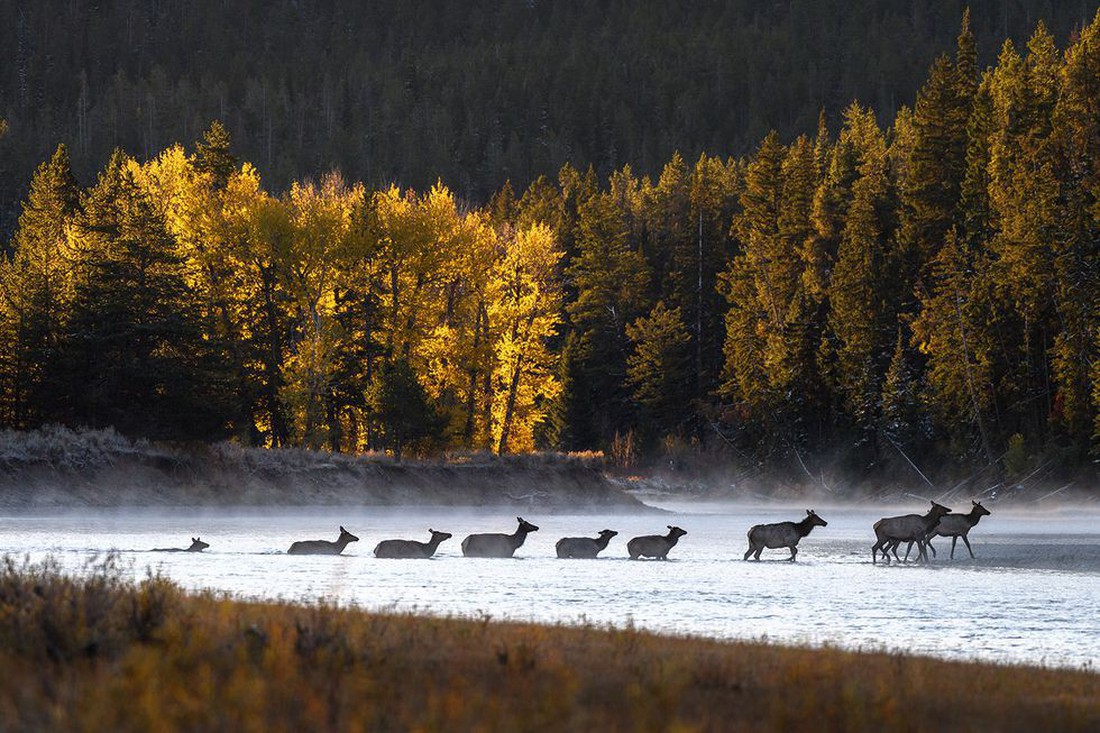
[{"x": 96, "y": 653}]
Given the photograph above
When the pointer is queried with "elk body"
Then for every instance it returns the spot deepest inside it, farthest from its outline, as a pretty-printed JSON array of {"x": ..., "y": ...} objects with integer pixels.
[
  {"x": 197, "y": 545},
  {"x": 583, "y": 547},
  {"x": 411, "y": 549},
  {"x": 891, "y": 531},
  {"x": 782, "y": 534},
  {"x": 323, "y": 547},
  {"x": 654, "y": 545},
  {"x": 497, "y": 545}
]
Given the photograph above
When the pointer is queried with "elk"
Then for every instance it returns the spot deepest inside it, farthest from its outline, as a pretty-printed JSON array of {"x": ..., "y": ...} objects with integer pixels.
[
  {"x": 905, "y": 528},
  {"x": 654, "y": 545},
  {"x": 782, "y": 534},
  {"x": 497, "y": 545},
  {"x": 197, "y": 545},
  {"x": 952, "y": 525},
  {"x": 411, "y": 549},
  {"x": 956, "y": 526},
  {"x": 583, "y": 547},
  {"x": 323, "y": 547}
]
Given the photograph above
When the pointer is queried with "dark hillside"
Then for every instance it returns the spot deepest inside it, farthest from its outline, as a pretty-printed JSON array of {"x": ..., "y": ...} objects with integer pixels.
[{"x": 474, "y": 92}]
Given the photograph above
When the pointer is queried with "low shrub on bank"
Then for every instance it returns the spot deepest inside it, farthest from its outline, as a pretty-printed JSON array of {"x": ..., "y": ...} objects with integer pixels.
[{"x": 91, "y": 651}]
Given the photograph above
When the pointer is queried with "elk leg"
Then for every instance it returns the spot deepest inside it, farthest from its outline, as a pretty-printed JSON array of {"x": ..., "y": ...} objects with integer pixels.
[{"x": 968, "y": 547}]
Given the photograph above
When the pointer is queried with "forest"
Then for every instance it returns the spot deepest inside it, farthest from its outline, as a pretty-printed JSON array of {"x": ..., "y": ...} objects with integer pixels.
[{"x": 924, "y": 292}]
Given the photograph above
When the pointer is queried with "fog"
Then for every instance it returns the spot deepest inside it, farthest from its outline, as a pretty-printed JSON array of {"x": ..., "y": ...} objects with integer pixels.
[{"x": 1030, "y": 596}]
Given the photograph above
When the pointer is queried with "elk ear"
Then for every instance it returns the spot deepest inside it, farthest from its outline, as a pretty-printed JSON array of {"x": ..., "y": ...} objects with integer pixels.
[
  {"x": 519, "y": 519},
  {"x": 342, "y": 528},
  {"x": 974, "y": 503},
  {"x": 809, "y": 511},
  {"x": 194, "y": 539}
]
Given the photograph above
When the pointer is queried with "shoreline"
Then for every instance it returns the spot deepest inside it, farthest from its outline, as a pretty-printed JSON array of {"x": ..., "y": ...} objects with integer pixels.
[{"x": 58, "y": 467}]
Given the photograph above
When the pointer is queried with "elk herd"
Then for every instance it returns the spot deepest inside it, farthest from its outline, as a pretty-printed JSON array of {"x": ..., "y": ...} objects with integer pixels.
[{"x": 890, "y": 532}]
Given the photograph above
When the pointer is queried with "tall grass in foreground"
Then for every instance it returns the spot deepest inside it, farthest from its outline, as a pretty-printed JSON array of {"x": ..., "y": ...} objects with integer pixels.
[{"x": 95, "y": 652}]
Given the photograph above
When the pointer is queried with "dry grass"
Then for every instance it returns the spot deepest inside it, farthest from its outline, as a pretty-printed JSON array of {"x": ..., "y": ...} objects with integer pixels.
[{"x": 96, "y": 653}]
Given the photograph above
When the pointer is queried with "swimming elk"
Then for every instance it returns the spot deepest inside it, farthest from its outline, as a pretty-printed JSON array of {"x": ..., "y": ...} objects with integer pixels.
[
  {"x": 323, "y": 547},
  {"x": 411, "y": 549},
  {"x": 782, "y": 534},
  {"x": 584, "y": 547},
  {"x": 654, "y": 545},
  {"x": 497, "y": 545},
  {"x": 890, "y": 531},
  {"x": 197, "y": 545}
]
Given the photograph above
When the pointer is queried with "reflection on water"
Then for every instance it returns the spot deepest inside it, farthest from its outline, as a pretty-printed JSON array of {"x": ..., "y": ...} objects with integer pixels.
[{"x": 1030, "y": 596}]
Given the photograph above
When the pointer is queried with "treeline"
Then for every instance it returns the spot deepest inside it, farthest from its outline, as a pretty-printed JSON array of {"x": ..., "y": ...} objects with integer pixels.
[
  {"x": 474, "y": 92},
  {"x": 930, "y": 289}
]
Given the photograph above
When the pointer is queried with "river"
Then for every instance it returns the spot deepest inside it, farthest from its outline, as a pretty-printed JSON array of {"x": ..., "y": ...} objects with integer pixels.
[{"x": 1032, "y": 596}]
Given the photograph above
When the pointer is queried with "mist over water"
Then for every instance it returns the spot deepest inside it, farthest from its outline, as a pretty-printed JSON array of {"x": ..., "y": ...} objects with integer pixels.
[{"x": 1031, "y": 596}]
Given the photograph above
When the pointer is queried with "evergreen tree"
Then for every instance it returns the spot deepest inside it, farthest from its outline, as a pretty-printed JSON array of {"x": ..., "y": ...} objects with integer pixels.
[
  {"x": 1076, "y": 243},
  {"x": 950, "y": 335},
  {"x": 858, "y": 313},
  {"x": 212, "y": 154},
  {"x": 134, "y": 346},
  {"x": 658, "y": 370},
  {"x": 611, "y": 280},
  {"x": 400, "y": 404},
  {"x": 36, "y": 287}
]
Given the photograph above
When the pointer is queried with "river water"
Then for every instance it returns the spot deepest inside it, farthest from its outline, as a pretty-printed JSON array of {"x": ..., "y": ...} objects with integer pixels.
[{"x": 1032, "y": 595}]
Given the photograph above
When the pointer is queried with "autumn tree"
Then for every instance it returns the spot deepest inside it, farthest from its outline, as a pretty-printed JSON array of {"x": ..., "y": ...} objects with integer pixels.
[{"x": 524, "y": 301}]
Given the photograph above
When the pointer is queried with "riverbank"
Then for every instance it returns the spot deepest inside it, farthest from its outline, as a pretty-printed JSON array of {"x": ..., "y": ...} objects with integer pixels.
[
  {"x": 100, "y": 653},
  {"x": 58, "y": 467}
]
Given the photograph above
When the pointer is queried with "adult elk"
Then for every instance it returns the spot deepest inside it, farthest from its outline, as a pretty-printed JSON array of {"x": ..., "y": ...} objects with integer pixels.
[
  {"x": 411, "y": 549},
  {"x": 497, "y": 545},
  {"x": 891, "y": 531},
  {"x": 583, "y": 547},
  {"x": 782, "y": 534},
  {"x": 958, "y": 525},
  {"x": 654, "y": 545},
  {"x": 323, "y": 547}
]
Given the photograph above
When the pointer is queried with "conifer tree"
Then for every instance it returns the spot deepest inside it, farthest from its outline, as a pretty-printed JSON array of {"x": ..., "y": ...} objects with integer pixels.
[
  {"x": 134, "y": 346},
  {"x": 611, "y": 280},
  {"x": 858, "y": 311},
  {"x": 36, "y": 290},
  {"x": 1076, "y": 243},
  {"x": 658, "y": 369},
  {"x": 213, "y": 156}
]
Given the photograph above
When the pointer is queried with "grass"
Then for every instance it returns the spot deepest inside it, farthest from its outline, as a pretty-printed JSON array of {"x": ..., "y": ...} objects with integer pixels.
[{"x": 94, "y": 652}]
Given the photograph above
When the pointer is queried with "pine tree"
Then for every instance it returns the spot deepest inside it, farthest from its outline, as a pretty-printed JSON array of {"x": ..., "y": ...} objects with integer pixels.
[
  {"x": 951, "y": 333},
  {"x": 858, "y": 313},
  {"x": 658, "y": 370},
  {"x": 1076, "y": 140},
  {"x": 757, "y": 282},
  {"x": 611, "y": 280},
  {"x": 213, "y": 156},
  {"x": 36, "y": 291},
  {"x": 134, "y": 346}
]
